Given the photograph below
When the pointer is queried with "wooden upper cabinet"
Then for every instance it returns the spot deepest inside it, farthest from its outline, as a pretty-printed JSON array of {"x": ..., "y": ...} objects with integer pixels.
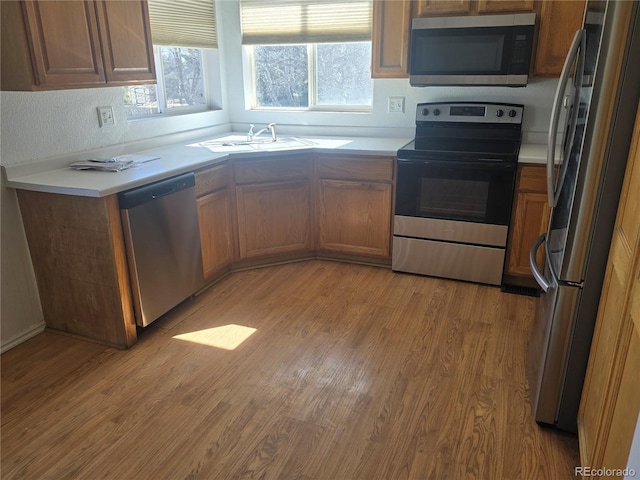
[
  {"x": 390, "y": 39},
  {"x": 49, "y": 45},
  {"x": 424, "y": 8},
  {"x": 504, "y": 6},
  {"x": 557, "y": 25},
  {"x": 65, "y": 42},
  {"x": 125, "y": 35}
]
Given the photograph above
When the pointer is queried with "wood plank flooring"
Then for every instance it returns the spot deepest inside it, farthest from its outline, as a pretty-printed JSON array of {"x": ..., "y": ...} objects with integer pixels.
[{"x": 353, "y": 372}]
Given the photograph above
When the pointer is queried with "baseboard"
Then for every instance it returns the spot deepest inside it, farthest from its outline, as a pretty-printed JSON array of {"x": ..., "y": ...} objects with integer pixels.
[{"x": 22, "y": 337}]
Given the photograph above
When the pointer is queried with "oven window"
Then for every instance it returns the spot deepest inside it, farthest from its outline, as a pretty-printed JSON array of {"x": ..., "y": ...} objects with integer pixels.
[
  {"x": 480, "y": 193},
  {"x": 453, "y": 198}
]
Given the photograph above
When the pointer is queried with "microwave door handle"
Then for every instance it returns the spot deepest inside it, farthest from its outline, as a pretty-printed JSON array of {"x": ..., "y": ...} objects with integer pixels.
[
  {"x": 544, "y": 283},
  {"x": 555, "y": 113}
]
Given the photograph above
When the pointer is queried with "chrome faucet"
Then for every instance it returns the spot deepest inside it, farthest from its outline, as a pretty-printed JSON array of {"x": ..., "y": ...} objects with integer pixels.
[{"x": 271, "y": 127}]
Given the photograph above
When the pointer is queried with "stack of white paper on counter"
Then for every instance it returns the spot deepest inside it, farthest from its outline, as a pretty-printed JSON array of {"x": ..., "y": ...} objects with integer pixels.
[{"x": 113, "y": 164}]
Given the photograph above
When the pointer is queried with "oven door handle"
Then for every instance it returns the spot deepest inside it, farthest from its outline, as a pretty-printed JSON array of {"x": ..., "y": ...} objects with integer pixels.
[
  {"x": 544, "y": 283},
  {"x": 475, "y": 165}
]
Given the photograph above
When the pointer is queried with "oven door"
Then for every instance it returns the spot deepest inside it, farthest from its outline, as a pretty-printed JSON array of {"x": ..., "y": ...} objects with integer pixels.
[{"x": 469, "y": 191}]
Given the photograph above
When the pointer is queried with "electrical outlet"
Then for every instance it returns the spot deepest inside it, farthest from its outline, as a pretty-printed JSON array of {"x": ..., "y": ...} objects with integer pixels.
[
  {"x": 396, "y": 104},
  {"x": 105, "y": 116}
]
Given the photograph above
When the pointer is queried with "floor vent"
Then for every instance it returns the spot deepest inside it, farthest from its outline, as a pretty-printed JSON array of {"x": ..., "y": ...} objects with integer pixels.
[{"x": 530, "y": 292}]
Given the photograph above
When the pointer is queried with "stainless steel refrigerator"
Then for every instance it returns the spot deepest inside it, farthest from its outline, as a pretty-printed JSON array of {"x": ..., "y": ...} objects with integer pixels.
[{"x": 598, "y": 92}]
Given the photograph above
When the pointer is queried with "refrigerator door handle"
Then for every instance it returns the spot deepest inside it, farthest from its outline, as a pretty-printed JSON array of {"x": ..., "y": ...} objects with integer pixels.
[
  {"x": 575, "y": 52},
  {"x": 537, "y": 274}
]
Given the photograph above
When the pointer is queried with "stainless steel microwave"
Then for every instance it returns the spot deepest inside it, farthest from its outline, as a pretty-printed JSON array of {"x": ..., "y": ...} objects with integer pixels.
[{"x": 475, "y": 50}]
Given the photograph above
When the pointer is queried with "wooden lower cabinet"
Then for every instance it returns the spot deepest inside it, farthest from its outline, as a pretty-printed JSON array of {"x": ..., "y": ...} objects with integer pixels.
[
  {"x": 353, "y": 217},
  {"x": 529, "y": 219},
  {"x": 273, "y": 218},
  {"x": 216, "y": 231},
  {"x": 354, "y": 196},
  {"x": 79, "y": 258},
  {"x": 215, "y": 218}
]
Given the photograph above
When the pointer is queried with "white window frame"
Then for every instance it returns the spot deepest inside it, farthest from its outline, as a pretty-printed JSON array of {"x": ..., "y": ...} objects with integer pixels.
[
  {"x": 313, "y": 82},
  {"x": 161, "y": 94}
]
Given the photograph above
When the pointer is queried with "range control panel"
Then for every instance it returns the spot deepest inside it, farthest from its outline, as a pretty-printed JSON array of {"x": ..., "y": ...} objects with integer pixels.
[{"x": 470, "y": 112}]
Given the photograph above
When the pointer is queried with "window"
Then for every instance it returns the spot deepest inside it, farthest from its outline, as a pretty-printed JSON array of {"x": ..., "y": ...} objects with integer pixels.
[
  {"x": 180, "y": 87},
  {"x": 311, "y": 54},
  {"x": 181, "y": 84},
  {"x": 323, "y": 76}
]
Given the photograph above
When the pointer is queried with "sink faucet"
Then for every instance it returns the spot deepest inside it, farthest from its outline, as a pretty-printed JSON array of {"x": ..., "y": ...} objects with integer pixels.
[{"x": 271, "y": 127}]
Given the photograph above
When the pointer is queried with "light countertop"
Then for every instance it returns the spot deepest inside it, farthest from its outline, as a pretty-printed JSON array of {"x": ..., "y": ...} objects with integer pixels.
[
  {"x": 180, "y": 158},
  {"x": 535, "y": 153}
]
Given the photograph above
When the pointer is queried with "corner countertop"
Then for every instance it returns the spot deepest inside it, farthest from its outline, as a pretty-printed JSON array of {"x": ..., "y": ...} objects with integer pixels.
[{"x": 181, "y": 158}]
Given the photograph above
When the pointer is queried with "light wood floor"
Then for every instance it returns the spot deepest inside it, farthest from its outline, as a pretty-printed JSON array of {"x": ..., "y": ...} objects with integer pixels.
[{"x": 353, "y": 372}]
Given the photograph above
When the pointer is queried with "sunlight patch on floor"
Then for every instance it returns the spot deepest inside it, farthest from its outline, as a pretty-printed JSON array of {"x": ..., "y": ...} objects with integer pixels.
[{"x": 227, "y": 337}]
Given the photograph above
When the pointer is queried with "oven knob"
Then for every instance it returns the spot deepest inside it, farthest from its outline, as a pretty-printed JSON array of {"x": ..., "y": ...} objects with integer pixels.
[
  {"x": 436, "y": 112},
  {"x": 499, "y": 112},
  {"x": 425, "y": 111},
  {"x": 512, "y": 113}
]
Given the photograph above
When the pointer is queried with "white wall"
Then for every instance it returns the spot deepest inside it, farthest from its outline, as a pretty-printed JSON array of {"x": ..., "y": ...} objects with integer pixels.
[
  {"x": 537, "y": 97},
  {"x": 37, "y": 126}
]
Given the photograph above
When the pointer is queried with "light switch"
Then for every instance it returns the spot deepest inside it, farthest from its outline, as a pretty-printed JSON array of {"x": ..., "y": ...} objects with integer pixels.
[
  {"x": 105, "y": 116},
  {"x": 396, "y": 104}
]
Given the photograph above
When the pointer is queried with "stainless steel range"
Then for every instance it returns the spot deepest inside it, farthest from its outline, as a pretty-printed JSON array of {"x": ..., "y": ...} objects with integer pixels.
[{"x": 454, "y": 191}]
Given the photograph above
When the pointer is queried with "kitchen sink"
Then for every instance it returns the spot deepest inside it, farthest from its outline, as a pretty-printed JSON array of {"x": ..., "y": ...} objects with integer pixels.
[{"x": 239, "y": 143}]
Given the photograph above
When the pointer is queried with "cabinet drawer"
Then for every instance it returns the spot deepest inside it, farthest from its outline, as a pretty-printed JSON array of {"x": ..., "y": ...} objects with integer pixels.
[
  {"x": 212, "y": 179},
  {"x": 533, "y": 178},
  {"x": 267, "y": 170},
  {"x": 355, "y": 168}
]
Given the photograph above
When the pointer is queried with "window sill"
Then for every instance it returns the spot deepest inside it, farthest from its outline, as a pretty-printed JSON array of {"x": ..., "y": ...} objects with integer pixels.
[{"x": 171, "y": 114}]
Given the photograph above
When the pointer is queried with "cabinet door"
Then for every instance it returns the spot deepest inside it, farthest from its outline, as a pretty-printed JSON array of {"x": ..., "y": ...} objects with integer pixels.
[
  {"x": 500, "y": 6},
  {"x": 354, "y": 217},
  {"x": 65, "y": 42},
  {"x": 390, "y": 39},
  {"x": 273, "y": 218},
  {"x": 425, "y": 8},
  {"x": 611, "y": 395},
  {"x": 529, "y": 219},
  {"x": 558, "y": 23},
  {"x": 125, "y": 35},
  {"x": 216, "y": 227}
]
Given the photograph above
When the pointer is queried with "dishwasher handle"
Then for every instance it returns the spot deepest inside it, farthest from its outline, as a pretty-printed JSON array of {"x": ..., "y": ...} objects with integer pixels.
[{"x": 147, "y": 193}]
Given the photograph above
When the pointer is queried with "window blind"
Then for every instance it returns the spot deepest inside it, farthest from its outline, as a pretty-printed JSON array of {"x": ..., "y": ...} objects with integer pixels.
[
  {"x": 305, "y": 21},
  {"x": 184, "y": 23}
]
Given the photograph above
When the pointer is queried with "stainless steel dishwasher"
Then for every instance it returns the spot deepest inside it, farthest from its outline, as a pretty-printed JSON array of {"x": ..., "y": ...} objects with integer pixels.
[{"x": 162, "y": 238}]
